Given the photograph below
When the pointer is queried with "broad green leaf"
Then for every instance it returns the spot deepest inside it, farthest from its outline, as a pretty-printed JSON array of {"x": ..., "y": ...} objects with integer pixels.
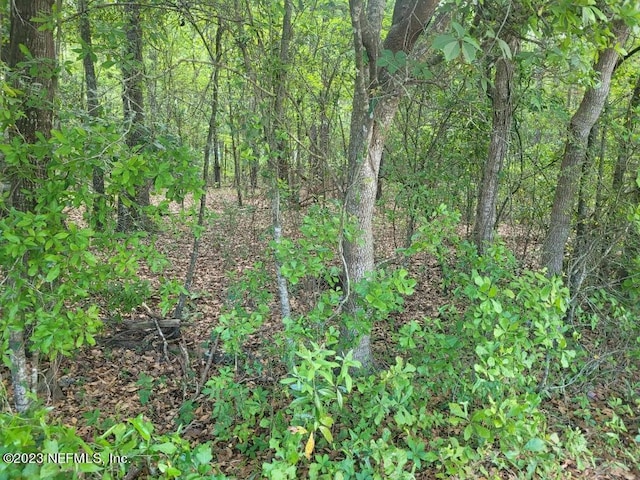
[
  {"x": 482, "y": 431},
  {"x": 167, "y": 447},
  {"x": 451, "y": 50},
  {"x": 143, "y": 427},
  {"x": 53, "y": 273},
  {"x": 326, "y": 433},
  {"x": 457, "y": 410},
  {"x": 535, "y": 445},
  {"x": 468, "y": 51},
  {"x": 442, "y": 40}
]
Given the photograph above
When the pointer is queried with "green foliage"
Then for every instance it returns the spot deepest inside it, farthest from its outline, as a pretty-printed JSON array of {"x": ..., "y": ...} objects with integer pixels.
[
  {"x": 463, "y": 394},
  {"x": 317, "y": 387},
  {"x": 459, "y": 40},
  {"x": 237, "y": 409},
  {"x": 313, "y": 253},
  {"x": 146, "y": 384},
  {"x": 320, "y": 384},
  {"x": 47, "y": 450},
  {"x": 247, "y": 309},
  {"x": 48, "y": 281}
]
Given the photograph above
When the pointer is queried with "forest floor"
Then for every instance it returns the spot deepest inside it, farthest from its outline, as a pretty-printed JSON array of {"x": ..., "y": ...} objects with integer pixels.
[{"x": 127, "y": 372}]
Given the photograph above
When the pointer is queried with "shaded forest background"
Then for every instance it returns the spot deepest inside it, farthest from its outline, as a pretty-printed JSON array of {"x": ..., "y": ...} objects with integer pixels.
[{"x": 320, "y": 239}]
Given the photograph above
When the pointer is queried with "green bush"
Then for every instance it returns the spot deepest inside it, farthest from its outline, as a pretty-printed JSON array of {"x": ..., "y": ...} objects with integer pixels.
[{"x": 33, "y": 447}]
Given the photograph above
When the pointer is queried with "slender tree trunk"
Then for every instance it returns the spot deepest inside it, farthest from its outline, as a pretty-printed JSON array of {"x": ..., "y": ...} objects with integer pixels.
[
  {"x": 93, "y": 109},
  {"x": 375, "y": 103},
  {"x": 582, "y": 122},
  {"x": 502, "y": 103},
  {"x": 254, "y": 101},
  {"x": 625, "y": 148},
  {"x": 279, "y": 87},
  {"x": 278, "y": 147},
  {"x": 210, "y": 146},
  {"x": 36, "y": 76},
  {"x": 577, "y": 270},
  {"x": 237, "y": 167},
  {"x": 213, "y": 140},
  {"x": 600, "y": 197},
  {"x": 130, "y": 215}
]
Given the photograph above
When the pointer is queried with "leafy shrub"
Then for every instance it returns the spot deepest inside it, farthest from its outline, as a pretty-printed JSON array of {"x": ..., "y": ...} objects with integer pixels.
[{"x": 48, "y": 450}]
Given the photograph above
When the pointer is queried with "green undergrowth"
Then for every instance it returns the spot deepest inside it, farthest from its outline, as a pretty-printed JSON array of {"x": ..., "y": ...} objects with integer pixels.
[{"x": 464, "y": 394}]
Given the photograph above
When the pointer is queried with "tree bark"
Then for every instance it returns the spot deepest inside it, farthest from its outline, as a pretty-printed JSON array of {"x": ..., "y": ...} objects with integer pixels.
[
  {"x": 93, "y": 109},
  {"x": 625, "y": 148},
  {"x": 502, "y": 105},
  {"x": 130, "y": 215},
  {"x": 582, "y": 122},
  {"x": 36, "y": 76},
  {"x": 278, "y": 147},
  {"x": 375, "y": 103}
]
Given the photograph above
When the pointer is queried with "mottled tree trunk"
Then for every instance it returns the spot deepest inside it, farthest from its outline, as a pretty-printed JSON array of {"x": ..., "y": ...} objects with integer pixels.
[
  {"x": 502, "y": 105},
  {"x": 278, "y": 147},
  {"x": 582, "y": 122},
  {"x": 36, "y": 77},
  {"x": 375, "y": 103}
]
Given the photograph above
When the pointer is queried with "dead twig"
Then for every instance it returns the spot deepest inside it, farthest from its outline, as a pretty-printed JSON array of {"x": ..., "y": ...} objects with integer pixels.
[
  {"x": 207, "y": 367},
  {"x": 165, "y": 344}
]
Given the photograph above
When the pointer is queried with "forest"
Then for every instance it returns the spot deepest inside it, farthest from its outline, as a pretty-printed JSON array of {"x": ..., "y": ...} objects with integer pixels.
[{"x": 320, "y": 239}]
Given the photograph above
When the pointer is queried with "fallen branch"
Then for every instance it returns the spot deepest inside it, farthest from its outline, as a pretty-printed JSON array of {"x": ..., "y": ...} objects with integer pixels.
[{"x": 150, "y": 324}]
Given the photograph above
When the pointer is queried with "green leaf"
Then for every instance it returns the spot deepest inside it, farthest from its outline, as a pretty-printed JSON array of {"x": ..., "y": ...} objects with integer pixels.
[
  {"x": 468, "y": 432},
  {"x": 535, "y": 445},
  {"x": 451, "y": 50},
  {"x": 143, "y": 427},
  {"x": 203, "y": 454},
  {"x": 497, "y": 306},
  {"x": 460, "y": 30},
  {"x": 442, "y": 40},
  {"x": 53, "y": 273},
  {"x": 457, "y": 410},
  {"x": 482, "y": 431},
  {"x": 468, "y": 51},
  {"x": 167, "y": 447},
  {"x": 506, "y": 50},
  {"x": 327, "y": 421},
  {"x": 326, "y": 433}
]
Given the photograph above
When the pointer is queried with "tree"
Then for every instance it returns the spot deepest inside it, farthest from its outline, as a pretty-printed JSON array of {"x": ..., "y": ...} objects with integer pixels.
[
  {"x": 93, "y": 106},
  {"x": 376, "y": 96},
  {"x": 278, "y": 148},
  {"x": 501, "y": 95},
  {"x": 129, "y": 206},
  {"x": 32, "y": 61},
  {"x": 575, "y": 151}
]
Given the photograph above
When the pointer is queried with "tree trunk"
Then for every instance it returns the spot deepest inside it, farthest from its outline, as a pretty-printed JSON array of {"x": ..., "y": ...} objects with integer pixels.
[
  {"x": 93, "y": 109},
  {"x": 502, "y": 104},
  {"x": 375, "y": 102},
  {"x": 278, "y": 144},
  {"x": 625, "y": 148},
  {"x": 130, "y": 215},
  {"x": 278, "y": 147},
  {"x": 237, "y": 168},
  {"x": 574, "y": 155},
  {"x": 210, "y": 145},
  {"x": 36, "y": 76}
]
